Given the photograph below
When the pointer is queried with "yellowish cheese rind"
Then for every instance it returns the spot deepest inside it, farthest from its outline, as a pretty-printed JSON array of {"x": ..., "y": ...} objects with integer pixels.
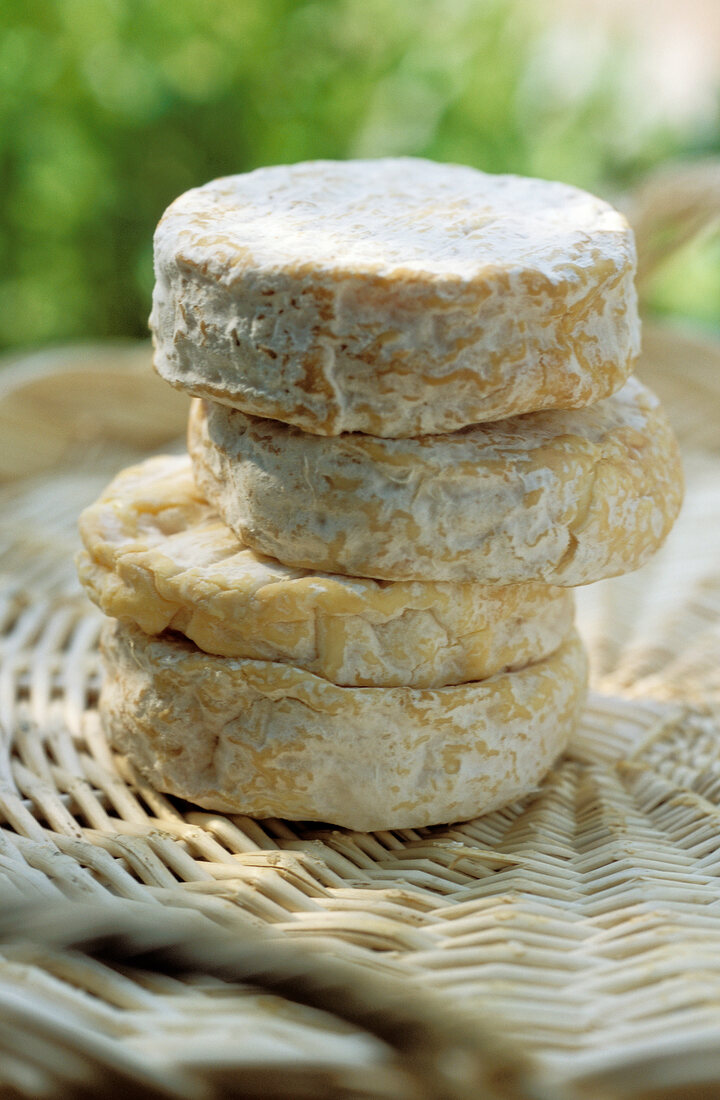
[
  {"x": 394, "y": 297},
  {"x": 563, "y": 497},
  {"x": 157, "y": 555},
  {"x": 270, "y": 740}
]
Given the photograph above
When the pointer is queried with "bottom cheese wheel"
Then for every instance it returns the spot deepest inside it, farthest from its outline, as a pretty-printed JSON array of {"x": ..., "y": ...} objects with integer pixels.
[{"x": 271, "y": 740}]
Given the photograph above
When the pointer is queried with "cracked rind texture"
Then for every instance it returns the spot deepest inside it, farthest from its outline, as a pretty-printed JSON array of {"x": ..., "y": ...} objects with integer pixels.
[
  {"x": 157, "y": 555},
  {"x": 564, "y": 497},
  {"x": 394, "y": 297},
  {"x": 270, "y": 740}
]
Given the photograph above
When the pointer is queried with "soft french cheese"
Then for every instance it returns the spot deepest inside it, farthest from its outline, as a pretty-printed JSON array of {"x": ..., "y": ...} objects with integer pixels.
[
  {"x": 564, "y": 497},
  {"x": 393, "y": 297},
  {"x": 269, "y": 740},
  {"x": 157, "y": 555}
]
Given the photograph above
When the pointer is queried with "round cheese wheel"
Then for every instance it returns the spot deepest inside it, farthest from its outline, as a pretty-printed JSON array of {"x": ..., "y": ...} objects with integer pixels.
[
  {"x": 157, "y": 555},
  {"x": 564, "y": 497},
  {"x": 394, "y": 297},
  {"x": 271, "y": 740}
]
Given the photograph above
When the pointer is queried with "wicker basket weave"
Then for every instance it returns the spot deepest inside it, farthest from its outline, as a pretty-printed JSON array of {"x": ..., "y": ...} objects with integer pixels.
[{"x": 566, "y": 946}]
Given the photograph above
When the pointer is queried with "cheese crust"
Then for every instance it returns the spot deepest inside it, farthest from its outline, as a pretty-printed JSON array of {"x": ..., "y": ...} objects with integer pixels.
[
  {"x": 394, "y": 297},
  {"x": 271, "y": 740},
  {"x": 157, "y": 555},
  {"x": 563, "y": 497}
]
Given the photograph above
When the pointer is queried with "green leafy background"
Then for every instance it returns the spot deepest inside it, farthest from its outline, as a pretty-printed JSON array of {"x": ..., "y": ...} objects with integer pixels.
[{"x": 111, "y": 108}]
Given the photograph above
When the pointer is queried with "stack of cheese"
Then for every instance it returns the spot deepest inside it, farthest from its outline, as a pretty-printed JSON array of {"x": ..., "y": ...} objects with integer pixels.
[{"x": 416, "y": 432}]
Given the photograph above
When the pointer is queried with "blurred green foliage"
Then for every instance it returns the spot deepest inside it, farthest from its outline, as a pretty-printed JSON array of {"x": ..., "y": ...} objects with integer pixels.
[{"x": 111, "y": 108}]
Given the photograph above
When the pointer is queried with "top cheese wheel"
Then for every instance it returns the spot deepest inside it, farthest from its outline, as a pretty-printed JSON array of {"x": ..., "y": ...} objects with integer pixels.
[{"x": 393, "y": 297}]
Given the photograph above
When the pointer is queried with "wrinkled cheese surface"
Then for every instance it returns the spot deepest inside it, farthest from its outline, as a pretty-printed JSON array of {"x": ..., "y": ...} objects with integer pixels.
[
  {"x": 395, "y": 297},
  {"x": 268, "y": 739},
  {"x": 564, "y": 497},
  {"x": 157, "y": 555}
]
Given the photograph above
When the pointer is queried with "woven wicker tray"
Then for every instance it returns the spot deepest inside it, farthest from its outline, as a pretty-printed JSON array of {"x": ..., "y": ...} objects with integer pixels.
[{"x": 566, "y": 946}]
